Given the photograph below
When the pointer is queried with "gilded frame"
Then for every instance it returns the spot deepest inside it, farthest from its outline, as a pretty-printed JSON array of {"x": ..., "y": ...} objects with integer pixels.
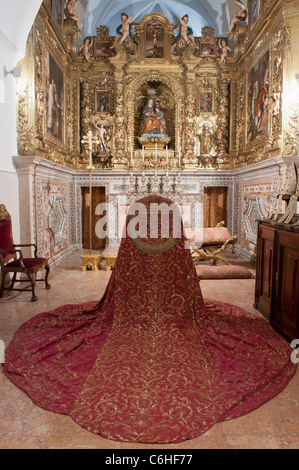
[
  {"x": 257, "y": 95},
  {"x": 102, "y": 101},
  {"x": 207, "y": 48},
  {"x": 206, "y": 102},
  {"x": 101, "y": 48},
  {"x": 55, "y": 98}
]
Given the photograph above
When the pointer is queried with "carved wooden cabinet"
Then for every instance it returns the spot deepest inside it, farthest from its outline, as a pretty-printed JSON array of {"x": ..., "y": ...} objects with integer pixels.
[{"x": 277, "y": 277}]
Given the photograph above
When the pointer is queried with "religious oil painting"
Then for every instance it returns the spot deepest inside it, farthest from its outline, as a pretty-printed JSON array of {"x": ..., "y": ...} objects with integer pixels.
[
  {"x": 206, "y": 102},
  {"x": 101, "y": 48},
  {"x": 258, "y": 99},
  {"x": 57, "y": 7},
  {"x": 255, "y": 11},
  {"x": 154, "y": 40},
  {"x": 207, "y": 49},
  {"x": 102, "y": 101},
  {"x": 55, "y": 98}
]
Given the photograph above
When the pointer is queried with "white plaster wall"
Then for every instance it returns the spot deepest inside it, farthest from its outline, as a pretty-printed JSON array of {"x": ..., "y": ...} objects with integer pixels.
[
  {"x": 9, "y": 196},
  {"x": 16, "y": 20}
]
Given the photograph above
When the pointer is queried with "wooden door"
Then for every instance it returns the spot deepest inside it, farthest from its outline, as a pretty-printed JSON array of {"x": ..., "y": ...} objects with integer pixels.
[
  {"x": 265, "y": 269},
  {"x": 98, "y": 196},
  {"x": 285, "y": 313},
  {"x": 215, "y": 205}
]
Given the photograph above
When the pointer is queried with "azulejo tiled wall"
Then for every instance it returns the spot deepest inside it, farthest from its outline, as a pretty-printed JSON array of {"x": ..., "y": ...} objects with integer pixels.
[{"x": 50, "y": 200}]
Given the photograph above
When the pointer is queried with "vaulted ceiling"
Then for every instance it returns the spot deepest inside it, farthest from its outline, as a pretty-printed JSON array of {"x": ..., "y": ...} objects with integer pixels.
[{"x": 215, "y": 13}]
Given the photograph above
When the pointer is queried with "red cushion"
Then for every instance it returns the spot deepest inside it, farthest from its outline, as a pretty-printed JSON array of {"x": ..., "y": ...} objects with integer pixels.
[
  {"x": 28, "y": 262},
  {"x": 5, "y": 236}
]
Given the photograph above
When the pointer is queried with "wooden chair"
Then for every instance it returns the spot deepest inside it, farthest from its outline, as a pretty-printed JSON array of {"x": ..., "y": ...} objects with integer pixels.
[
  {"x": 209, "y": 242},
  {"x": 12, "y": 260}
]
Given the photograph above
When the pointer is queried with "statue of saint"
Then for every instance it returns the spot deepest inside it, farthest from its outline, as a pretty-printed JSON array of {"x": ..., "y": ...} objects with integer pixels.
[{"x": 206, "y": 140}]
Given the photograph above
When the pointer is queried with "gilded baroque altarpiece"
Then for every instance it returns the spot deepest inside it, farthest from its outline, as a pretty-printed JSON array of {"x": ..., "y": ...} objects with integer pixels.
[{"x": 218, "y": 114}]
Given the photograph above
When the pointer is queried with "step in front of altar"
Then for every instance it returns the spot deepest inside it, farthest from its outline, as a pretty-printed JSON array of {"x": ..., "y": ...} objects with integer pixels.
[{"x": 108, "y": 257}]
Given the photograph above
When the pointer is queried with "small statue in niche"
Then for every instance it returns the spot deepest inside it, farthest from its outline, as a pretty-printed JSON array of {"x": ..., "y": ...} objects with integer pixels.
[
  {"x": 274, "y": 104},
  {"x": 102, "y": 136},
  {"x": 206, "y": 140},
  {"x": 240, "y": 15},
  {"x": 40, "y": 104},
  {"x": 225, "y": 50},
  {"x": 123, "y": 30},
  {"x": 240, "y": 130},
  {"x": 70, "y": 12},
  {"x": 185, "y": 31},
  {"x": 86, "y": 49}
]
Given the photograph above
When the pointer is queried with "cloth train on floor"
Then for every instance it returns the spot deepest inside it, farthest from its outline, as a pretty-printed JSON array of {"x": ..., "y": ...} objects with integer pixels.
[{"x": 151, "y": 362}]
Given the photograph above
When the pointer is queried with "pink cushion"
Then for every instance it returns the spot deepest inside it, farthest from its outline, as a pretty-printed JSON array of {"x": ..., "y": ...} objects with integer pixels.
[
  {"x": 223, "y": 272},
  {"x": 5, "y": 236},
  {"x": 28, "y": 262},
  {"x": 208, "y": 236}
]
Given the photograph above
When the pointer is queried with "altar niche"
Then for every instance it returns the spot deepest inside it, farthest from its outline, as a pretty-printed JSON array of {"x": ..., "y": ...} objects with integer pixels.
[
  {"x": 154, "y": 35},
  {"x": 154, "y": 121}
]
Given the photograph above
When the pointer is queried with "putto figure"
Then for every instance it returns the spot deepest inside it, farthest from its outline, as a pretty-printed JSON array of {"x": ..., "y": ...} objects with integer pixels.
[
  {"x": 70, "y": 12},
  {"x": 86, "y": 49},
  {"x": 225, "y": 50},
  {"x": 185, "y": 31},
  {"x": 240, "y": 15},
  {"x": 123, "y": 30}
]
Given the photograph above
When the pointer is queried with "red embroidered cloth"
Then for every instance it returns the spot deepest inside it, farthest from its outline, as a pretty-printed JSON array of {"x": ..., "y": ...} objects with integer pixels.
[{"x": 151, "y": 362}]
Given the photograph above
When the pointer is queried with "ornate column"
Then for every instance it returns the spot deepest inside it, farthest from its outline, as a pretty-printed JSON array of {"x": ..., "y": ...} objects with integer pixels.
[
  {"x": 85, "y": 116},
  {"x": 120, "y": 159},
  {"x": 223, "y": 121},
  {"x": 189, "y": 159}
]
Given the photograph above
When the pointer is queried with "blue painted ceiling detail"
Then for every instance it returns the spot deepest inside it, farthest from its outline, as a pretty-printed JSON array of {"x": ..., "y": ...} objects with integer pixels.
[{"x": 201, "y": 13}]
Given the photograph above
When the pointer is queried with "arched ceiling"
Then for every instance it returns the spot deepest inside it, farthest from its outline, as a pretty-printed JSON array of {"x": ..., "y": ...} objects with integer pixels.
[{"x": 215, "y": 13}]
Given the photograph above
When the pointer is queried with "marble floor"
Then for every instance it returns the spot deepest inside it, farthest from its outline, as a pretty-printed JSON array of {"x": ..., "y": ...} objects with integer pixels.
[{"x": 26, "y": 426}]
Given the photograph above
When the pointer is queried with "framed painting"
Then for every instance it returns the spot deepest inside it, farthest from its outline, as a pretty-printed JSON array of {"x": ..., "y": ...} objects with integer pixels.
[
  {"x": 57, "y": 10},
  {"x": 258, "y": 99},
  {"x": 101, "y": 48},
  {"x": 154, "y": 45},
  {"x": 206, "y": 102},
  {"x": 55, "y": 98},
  {"x": 102, "y": 101},
  {"x": 255, "y": 11},
  {"x": 207, "y": 49}
]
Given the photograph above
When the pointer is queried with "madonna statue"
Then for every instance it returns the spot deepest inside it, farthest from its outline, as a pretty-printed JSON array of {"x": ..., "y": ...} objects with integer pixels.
[{"x": 152, "y": 121}]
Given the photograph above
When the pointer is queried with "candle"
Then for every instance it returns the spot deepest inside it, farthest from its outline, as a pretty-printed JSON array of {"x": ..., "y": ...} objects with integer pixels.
[
  {"x": 156, "y": 152},
  {"x": 167, "y": 154},
  {"x": 179, "y": 155},
  {"x": 143, "y": 174},
  {"x": 131, "y": 154},
  {"x": 143, "y": 153}
]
